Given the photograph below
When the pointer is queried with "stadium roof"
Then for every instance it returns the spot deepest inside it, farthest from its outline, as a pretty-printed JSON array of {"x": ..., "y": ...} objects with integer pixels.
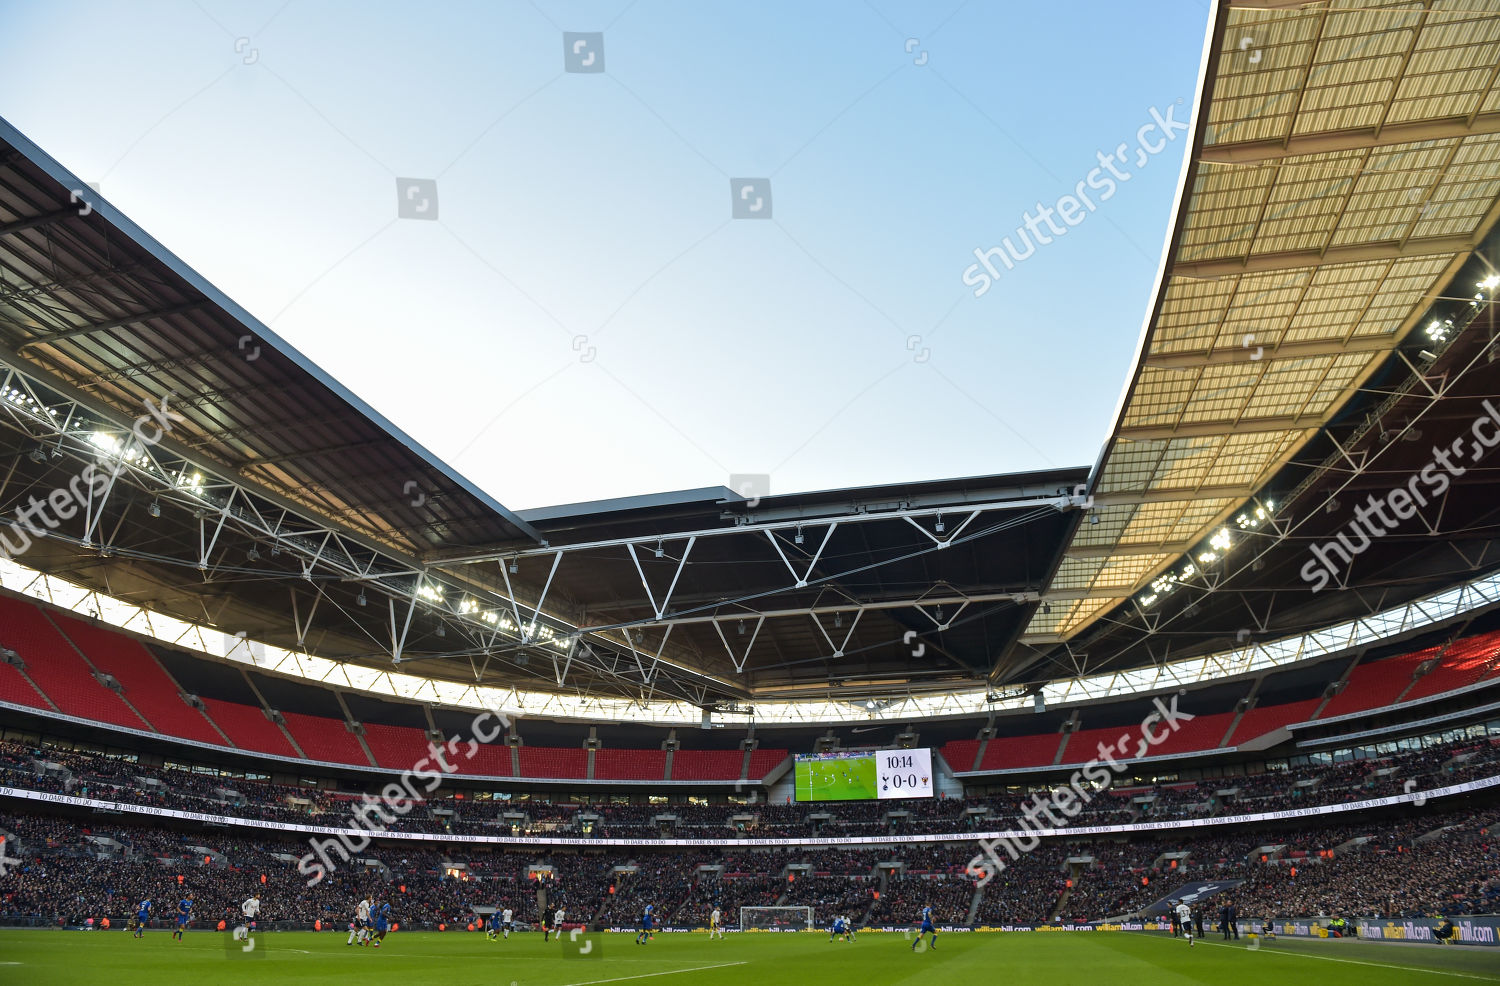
[{"x": 1345, "y": 164}]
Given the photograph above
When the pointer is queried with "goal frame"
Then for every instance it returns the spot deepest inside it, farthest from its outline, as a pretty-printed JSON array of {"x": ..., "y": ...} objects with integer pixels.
[{"x": 802, "y": 921}]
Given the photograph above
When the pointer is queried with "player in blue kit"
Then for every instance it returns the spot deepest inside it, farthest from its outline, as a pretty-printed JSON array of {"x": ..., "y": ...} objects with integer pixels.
[
  {"x": 837, "y": 929},
  {"x": 645, "y": 933},
  {"x": 382, "y": 921},
  {"x": 493, "y": 932},
  {"x": 142, "y": 917},
  {"x": 927, "y": 928},
  {"x": 184, "y": 915}
]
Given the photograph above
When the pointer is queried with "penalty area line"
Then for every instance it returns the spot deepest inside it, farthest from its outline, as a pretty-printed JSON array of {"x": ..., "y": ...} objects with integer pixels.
[
  {"x": 649, "y": 975},
  {"x": 1378, "y": 965}
]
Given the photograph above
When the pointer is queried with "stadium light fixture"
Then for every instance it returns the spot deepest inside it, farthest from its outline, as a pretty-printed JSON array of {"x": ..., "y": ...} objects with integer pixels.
[
  {"x": 941, "y": 527},
  {"x": 37, "y": 455},
  {"x": 253, "y": 554},
  {"x": 659, "y": 552},
  {"x": 795, "y": 540},
  {"x": 360, "y": 600},
  {"x": 154, "y": 509}
]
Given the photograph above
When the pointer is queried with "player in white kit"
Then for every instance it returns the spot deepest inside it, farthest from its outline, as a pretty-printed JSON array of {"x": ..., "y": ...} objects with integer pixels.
[{"x": 1184, "y": 916}]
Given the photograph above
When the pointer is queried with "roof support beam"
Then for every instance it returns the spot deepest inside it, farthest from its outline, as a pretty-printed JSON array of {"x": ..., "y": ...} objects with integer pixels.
[
  {"x": 1138, "y": 497},
  {"x": 1291, "y": 350},
  {"x": 1218, "y": 429},
  {"x": 84, "y": 330},
  {"x": 1350, "y": 140},
  {"x": 32, "y": 222},
  {"x": 1426, "y": 246},
  {"x": 1115, "y": 550}
]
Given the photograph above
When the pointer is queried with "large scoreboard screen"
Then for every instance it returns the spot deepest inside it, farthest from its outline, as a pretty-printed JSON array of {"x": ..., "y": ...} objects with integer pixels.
[{"x": 864, "y": 776}]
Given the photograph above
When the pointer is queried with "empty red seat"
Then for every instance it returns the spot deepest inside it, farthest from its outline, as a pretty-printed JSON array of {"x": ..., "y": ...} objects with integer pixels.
[
  {"x": 248, "y": 728},
  {"x": 1264, "y": 718},
  {"x": 763, "y": 761},
  {"x": 56, "y": 667},
  {"x": 397, "y": 747},
  {"x": 145, "y": 684},
  {"x": 561, "y": 762},
  {"x": 325, "y": 739},
  {"x": 960, "y": 754},
  {"x": 707, "y": 765},
  {"x": 630, "y": 765},
  {"x": 1039, "y": 750}
]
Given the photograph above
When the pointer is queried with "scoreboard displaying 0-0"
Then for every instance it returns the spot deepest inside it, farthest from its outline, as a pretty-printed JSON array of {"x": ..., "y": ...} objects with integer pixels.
[{"x": 864, "y": 776}]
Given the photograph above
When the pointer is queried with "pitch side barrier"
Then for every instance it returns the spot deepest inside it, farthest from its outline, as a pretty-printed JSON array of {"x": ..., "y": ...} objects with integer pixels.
[
  {"x": 1410, "y": 797},
  {"x": 1479, "y": 930}
]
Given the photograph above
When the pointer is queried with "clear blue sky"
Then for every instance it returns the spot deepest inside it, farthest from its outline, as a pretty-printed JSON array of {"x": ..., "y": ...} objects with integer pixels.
[{"x": 262, "y": 142}]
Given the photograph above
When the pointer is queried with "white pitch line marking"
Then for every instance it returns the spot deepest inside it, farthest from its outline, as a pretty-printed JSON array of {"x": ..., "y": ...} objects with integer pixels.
[
  {"x": 649, "y": 975},
  {"x": 1378, "y": 965}
]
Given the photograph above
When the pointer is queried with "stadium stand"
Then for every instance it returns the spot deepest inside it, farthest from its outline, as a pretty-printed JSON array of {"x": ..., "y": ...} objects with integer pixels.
[
  {"x": 1266, "y": 718},
  {"x": 1021, "y": 751},
  {"x": 15, "y": 688},
  {"x": 630, "y": 765},
  {"x": 959, "y": 754},
  {"x": 707, "y": 765},
  {"x": 58, "y": 670},
  {"x": 154, "y": 695},
  {"x": 1465, "y": 662},
  {"x": 248, "y": 728},
  {"x": 1376, "y": 684},
  {"x": 396, "y": 747},
  {"x": 325, "y": 739},
  {"x": 763, "y": 761},
  {"x": 542, "y": 761}
]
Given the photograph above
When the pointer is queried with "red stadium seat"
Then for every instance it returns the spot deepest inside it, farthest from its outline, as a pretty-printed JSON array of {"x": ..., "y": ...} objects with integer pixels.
[
  {"x": 325, "y": 739},
  {"x": 56, "y": 667},
  {"x": 1376, "y": 684},
  {"x": 1021, "y": 751},
  {"x": 248, "y": 728},
  {"x": 707, "y": 765},
  {"x": 630, "y": 765},
  {"x": 959, "y": 754},
  {"x": 544, "y": 761},
  {"x": 396, "y": 747},
  {"x": 1264, "y": 718},
  {"x": 146, "y": 685},
  {"x": 1464, "y": 663},
  {"x": 763, "y": 761}
]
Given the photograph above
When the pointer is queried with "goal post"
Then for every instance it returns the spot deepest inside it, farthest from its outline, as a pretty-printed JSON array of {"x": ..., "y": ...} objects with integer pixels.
[{"x": 797, "y": 918}]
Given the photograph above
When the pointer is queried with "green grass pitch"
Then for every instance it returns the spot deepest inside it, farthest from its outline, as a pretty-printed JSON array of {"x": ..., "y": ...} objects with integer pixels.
[
  {"x": 844, "y": 779},
  {"x": 114, "y": 958}
]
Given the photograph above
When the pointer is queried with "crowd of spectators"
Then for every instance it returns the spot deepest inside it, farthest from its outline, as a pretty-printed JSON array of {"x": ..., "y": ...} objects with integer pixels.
[
  {"x": 109, "y": 778},
  {"x": 68, "y": 869}
]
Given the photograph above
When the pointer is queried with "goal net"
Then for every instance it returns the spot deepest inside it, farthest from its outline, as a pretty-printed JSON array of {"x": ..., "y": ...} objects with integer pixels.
[{"x": 776, "y": 918}]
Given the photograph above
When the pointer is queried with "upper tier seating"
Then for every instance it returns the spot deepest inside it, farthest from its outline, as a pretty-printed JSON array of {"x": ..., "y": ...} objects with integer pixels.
[
  {"x": 248, "y": 728},
  {"x": 56, "y": 667},
  {"x": 707, "y": 765},
  {"x": 325, "y": 739},
  {"x": 146, "y": 685},
  {"x": 630, "y": 765},
  {"x": 545, "y": 761}
]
